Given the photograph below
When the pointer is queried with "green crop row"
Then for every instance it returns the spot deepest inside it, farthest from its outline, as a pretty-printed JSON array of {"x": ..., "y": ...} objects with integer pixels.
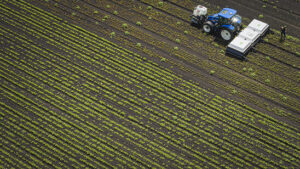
[
  {"x": 50, "y": 100},
  {"x": 71, "y": 49},
  {"x": 241, "y": 93},
  {"x": 249, "y": 84}
]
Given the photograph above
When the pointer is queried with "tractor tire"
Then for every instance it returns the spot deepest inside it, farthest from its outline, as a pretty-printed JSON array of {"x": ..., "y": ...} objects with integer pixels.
[
  {"x": 226, "y": 34},
  {"x": 208, "y": 27},
  {"x": 202, "y": 19}
]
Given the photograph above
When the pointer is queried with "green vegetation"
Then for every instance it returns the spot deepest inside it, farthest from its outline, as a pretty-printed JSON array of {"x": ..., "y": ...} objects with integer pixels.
[
  {"x": 83, "y": 101},
  {"x": 138, "y": 23},
  {"x": 260, "y": 16},
  {"x": 138, "y": 45}
]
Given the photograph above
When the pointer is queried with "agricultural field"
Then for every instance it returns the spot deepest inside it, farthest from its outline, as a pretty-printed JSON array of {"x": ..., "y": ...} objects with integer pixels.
[{"x": 131, "y": 84}]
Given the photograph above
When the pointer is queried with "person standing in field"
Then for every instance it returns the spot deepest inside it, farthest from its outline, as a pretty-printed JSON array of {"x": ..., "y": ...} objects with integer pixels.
[{"x": 282, "y": 32}]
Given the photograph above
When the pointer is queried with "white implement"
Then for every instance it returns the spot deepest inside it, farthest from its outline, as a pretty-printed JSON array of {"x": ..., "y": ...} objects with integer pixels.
[
  {"x": 200, "y": 10},
  {"x": 247, "y": 39},
  {"x": 259, "y": 26}
]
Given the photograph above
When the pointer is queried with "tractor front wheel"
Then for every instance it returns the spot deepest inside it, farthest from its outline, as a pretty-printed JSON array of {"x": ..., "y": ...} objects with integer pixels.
[
  {"x": 208, "y": 27},
  {"x": 226, "y": 34}
]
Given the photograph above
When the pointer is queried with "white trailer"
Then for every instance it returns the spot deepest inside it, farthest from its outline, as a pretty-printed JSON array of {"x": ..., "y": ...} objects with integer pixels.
[{"x": 247, "y": 39}]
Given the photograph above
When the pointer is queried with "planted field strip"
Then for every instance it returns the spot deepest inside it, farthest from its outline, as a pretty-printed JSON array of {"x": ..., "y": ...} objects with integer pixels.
[
  {"x": 91, "y": 81},
  {"x": 256, "y": 88},
  {"x": 194, "y": 44},
  {"x": 240, "y": 93}
]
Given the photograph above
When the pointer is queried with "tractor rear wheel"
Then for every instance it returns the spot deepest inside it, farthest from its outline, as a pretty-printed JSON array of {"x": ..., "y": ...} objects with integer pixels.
[
  {"x": 226, "y": 34},
  {"x": 208, "y": 27}
]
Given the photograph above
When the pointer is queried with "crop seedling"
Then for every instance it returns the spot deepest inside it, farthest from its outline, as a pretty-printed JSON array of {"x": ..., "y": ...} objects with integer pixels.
[
  {"x": 260, "y": 16},
  {"x": 186, "y": 32},
  {"x": 163, "y": 59},
  {"x": 96, "y": 12},
  {"x": 177, "y": 40},
  {"x": 267, "y": 80},
  {"x": 149, "y": 7},
  {"x": 178, "y": 23},
  {"x": 107, "y": 6},
  {"x": 73, "y": 13},
  {"x": 175, "y": 48},
  {"x": 116, "y": 13},
  {"x": 138, "y": 45},
  {"x": 160, "y": 3},
  {"x": 77, "y": 7},
  {"x": 253, "y": 74},
  {"x": 124, "y": 25},
  {"x": 234, "y": 91},
  {"x": 127, "y": 33},
  {"x": 112, "y": 34},
  {"x": 138, "y": 23},
  {"x": 212, "y": 72}
]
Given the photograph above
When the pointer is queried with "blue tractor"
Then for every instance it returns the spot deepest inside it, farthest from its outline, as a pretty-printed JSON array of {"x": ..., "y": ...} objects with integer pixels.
[{"x": 226, "y": 23}]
